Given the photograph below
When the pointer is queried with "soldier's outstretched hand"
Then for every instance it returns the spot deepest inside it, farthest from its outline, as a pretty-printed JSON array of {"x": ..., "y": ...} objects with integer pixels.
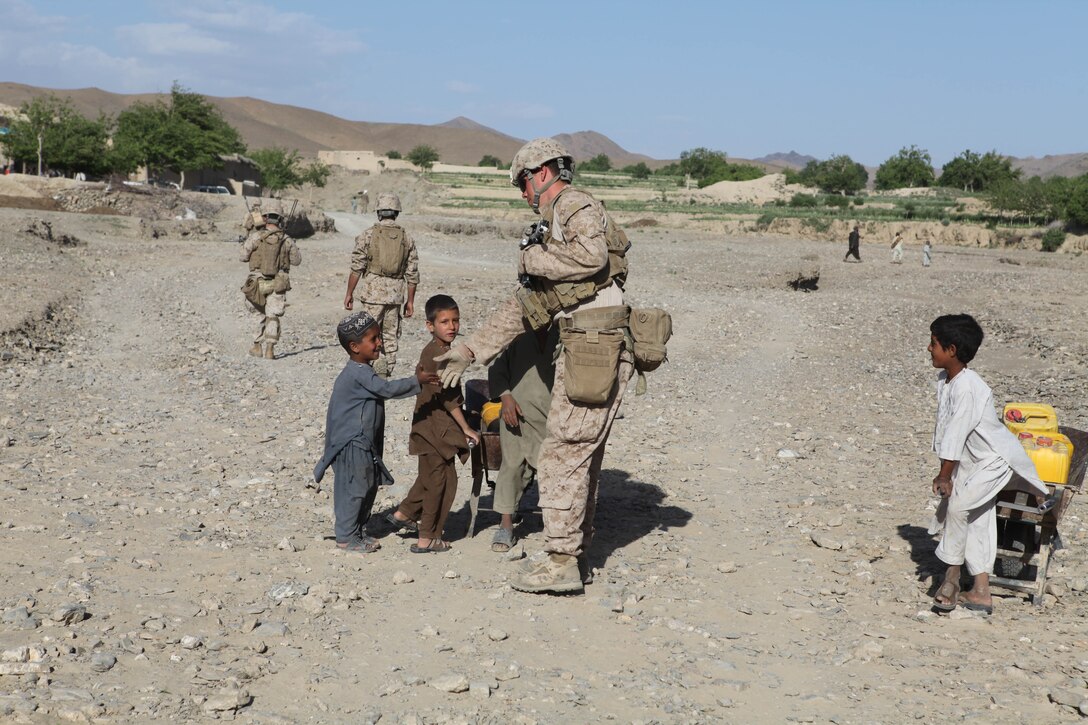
[{"x": 457, "y": 361}]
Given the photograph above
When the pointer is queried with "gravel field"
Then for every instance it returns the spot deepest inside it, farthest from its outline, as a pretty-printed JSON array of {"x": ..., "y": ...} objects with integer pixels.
[{"x": 761, "y": 552}]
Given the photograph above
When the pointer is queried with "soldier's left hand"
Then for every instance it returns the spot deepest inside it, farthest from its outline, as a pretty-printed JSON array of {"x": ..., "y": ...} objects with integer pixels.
[
  {"x": 457, "y": 361},
  {"x": 409, "y": 309}
]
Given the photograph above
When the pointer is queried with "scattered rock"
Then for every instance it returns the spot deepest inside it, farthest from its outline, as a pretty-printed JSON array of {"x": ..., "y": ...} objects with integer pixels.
[
  {"x": 450, "y": 683},
  {"x": 102, "y": 661},
  {"x": 402, "y": 577}
]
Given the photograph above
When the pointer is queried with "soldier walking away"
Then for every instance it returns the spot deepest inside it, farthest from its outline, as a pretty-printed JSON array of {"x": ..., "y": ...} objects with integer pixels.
[
  {"x": 386, "y": 260},
  {"x": 270, "y": 254},
  {"x": 364, "y": 202},
  {"x": 571, "y": 262},
  {"x": 855, "y": 245}
]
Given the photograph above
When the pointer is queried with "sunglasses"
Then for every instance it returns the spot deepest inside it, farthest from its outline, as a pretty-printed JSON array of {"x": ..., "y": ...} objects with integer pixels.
[{"x": 524, "y": 178}]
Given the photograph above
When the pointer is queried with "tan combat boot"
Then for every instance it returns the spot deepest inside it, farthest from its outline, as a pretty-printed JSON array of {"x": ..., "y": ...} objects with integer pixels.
[
  {"x": 269, "y": 353},
  {"x": 256, "y": 350},
  {"x": 556, "y": 573}
]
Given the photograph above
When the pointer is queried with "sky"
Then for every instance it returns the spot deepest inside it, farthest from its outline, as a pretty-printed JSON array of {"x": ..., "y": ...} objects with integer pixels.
[{"x": 820, "y": 77}]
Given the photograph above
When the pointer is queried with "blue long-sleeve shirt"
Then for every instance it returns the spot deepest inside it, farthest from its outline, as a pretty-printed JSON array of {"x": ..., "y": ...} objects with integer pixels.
[{"x": 357, "y": 411}]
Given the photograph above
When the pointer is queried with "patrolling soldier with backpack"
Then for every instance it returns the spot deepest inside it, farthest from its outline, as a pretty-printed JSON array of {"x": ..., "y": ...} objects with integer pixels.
[
  {"x": 386, "y": 260},
  {"x": 572, "y": 265},
  {"x": 270, "y": 254}
]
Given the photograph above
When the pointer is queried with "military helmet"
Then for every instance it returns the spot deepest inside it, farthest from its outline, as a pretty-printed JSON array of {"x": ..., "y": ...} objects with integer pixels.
[
  {"x": 388, "y": 201},
  {"x": 535, "y": 154},
  {"x": 272, "y": 217}
]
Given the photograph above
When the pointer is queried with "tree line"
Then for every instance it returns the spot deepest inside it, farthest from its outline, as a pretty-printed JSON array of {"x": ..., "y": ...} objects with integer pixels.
[{"x": 180, "y": 133}]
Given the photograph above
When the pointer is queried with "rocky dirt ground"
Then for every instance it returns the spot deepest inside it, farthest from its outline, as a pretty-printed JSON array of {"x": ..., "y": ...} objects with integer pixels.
[{"x": 761, "y": 554}]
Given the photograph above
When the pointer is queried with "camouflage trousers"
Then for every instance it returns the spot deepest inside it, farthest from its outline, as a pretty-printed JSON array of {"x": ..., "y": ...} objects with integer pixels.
[
  {"x": 275, "y": 303},
  {"x": 570, "y": 461},
  {"x": 388, "y": 317}
]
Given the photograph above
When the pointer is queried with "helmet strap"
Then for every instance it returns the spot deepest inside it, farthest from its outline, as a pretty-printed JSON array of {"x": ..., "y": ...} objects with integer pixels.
[{"x": 565, "y": 174}]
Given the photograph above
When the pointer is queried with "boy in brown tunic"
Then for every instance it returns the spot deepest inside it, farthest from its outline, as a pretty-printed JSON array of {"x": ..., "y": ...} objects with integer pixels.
[{"x": 439, "y": 433}]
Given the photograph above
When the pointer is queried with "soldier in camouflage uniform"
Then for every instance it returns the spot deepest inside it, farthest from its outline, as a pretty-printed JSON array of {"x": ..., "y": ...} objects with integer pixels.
[
  {"x": 270, "y": 254},
  {"x": 385, "y": 258},
  {"x": 574, "y": 270}
]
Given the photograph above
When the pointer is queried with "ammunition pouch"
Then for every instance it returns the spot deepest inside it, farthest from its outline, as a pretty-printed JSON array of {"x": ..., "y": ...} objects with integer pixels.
[
  {"x": 651, "y": 329},
  {"x": 592, "y": 341},
  {"x": 281, "y": 283},
  {"x": 251, "y": 288},
  {"x": 542, "y": 300},
  {"x": 591, "y": 360}
]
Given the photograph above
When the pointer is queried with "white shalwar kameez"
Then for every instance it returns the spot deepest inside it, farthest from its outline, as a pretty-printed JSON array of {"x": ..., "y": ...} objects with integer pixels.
[{"x": 970, "y": 432}]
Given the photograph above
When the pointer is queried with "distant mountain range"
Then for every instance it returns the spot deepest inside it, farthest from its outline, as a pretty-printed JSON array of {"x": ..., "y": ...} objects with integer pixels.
[{"x": 458, "y": 141}]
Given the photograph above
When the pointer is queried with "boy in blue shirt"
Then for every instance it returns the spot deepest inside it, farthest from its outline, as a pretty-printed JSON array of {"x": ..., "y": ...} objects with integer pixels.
[{"x": 355, "y": 431}]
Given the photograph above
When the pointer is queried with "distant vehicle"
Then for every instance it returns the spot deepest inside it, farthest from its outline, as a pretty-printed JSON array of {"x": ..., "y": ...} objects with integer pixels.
[
  {"x": 164, "y": 184},
  {"x": 205, "y": 188}
]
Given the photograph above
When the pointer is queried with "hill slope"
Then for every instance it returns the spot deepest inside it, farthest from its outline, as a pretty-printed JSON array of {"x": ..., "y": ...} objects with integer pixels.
[{"x": 262, "y": 124}]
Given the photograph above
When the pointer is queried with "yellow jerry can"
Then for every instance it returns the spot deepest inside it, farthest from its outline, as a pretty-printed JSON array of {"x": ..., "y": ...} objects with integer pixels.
[
  {"x": 1051, "y": 453},
  {"x": 1035, "y": 418}
]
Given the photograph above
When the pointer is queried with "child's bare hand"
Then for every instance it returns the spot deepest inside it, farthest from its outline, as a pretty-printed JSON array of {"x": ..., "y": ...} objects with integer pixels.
[
  {"x": 472, "y": 436},
  {"x": 426, "y": 378},
  {"x": 942, "y": 486}
]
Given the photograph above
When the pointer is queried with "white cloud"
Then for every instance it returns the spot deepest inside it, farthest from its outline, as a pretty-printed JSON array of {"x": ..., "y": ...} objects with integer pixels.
[
  {"x": 461, "y": 87},
  {"x": 86, "y": 65},
  {"x": 172, "y": 39},
  {"x": 247, "y": 20}
]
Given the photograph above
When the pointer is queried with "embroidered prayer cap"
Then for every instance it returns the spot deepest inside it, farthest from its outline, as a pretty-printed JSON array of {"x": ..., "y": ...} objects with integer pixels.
[{"x": 353, "y": 326}]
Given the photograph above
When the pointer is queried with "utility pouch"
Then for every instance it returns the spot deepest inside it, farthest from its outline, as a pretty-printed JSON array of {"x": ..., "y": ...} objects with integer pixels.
[
  {"x": 591, "y": 360},
  {"x": 532, "y": 308},
  {"x": 282, "y": 283},
  {"x": 251, "y": 288},
  {"x": 651, "y": 329}
]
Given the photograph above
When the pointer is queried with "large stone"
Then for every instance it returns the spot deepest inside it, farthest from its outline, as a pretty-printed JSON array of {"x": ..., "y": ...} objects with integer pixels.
[
  {"x": 102, "y": 661},
  {"x": 450, "y": 683},
  {"x": 228, "y": 700},
  {"x": 70, "y": 614}
]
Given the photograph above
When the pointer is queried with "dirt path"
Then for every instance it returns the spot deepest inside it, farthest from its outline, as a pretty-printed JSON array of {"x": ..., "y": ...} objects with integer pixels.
[{"x": 156, "y": 475}]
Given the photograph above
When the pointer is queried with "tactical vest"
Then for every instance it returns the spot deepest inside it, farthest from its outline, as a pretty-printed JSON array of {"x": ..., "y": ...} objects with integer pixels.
[
  {"x": 543, "y": 298},
  {"x": 388, "y": 251},
  {"x": 271, "y": 255}
]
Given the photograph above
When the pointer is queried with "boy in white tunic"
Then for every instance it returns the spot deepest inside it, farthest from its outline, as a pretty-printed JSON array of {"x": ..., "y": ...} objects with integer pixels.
[{"x": 978, "y": 456}]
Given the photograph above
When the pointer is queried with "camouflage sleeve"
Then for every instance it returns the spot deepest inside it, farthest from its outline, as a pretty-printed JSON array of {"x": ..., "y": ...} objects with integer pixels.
[
  {"x": 248, "y": 247},
  {"x": 411, "y": 270},
  {"x": 293, "y": 252},
  {"x": 360, "y": 256},
  {"x": 496, "y": 334},
  {"x": 583, "y": 252}
]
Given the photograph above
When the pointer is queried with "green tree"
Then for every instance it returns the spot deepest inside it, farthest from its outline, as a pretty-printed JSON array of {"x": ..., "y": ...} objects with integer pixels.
[
  {"x": 492, "y": 161},
  {"x": 971, "y": 172},
  {"x": 279, "y": 167},
  {"x": 316, "y": 175},
  {"x": 52, "y": 134},
  {"x": 598, "y": 163},
  {"x": 185, "y": 134},
  {"x": 392, "y": 154},
  {"x": 701, "y": 163},
  {"x": 1076, "y": 201},
  {"x": 838, "y": 175},
  {"x": 26, "y": 138},
  {"x": 638, "y": 171},
  {"x": 423, "y": 156},
  {"x": 911, "y": 167}
]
